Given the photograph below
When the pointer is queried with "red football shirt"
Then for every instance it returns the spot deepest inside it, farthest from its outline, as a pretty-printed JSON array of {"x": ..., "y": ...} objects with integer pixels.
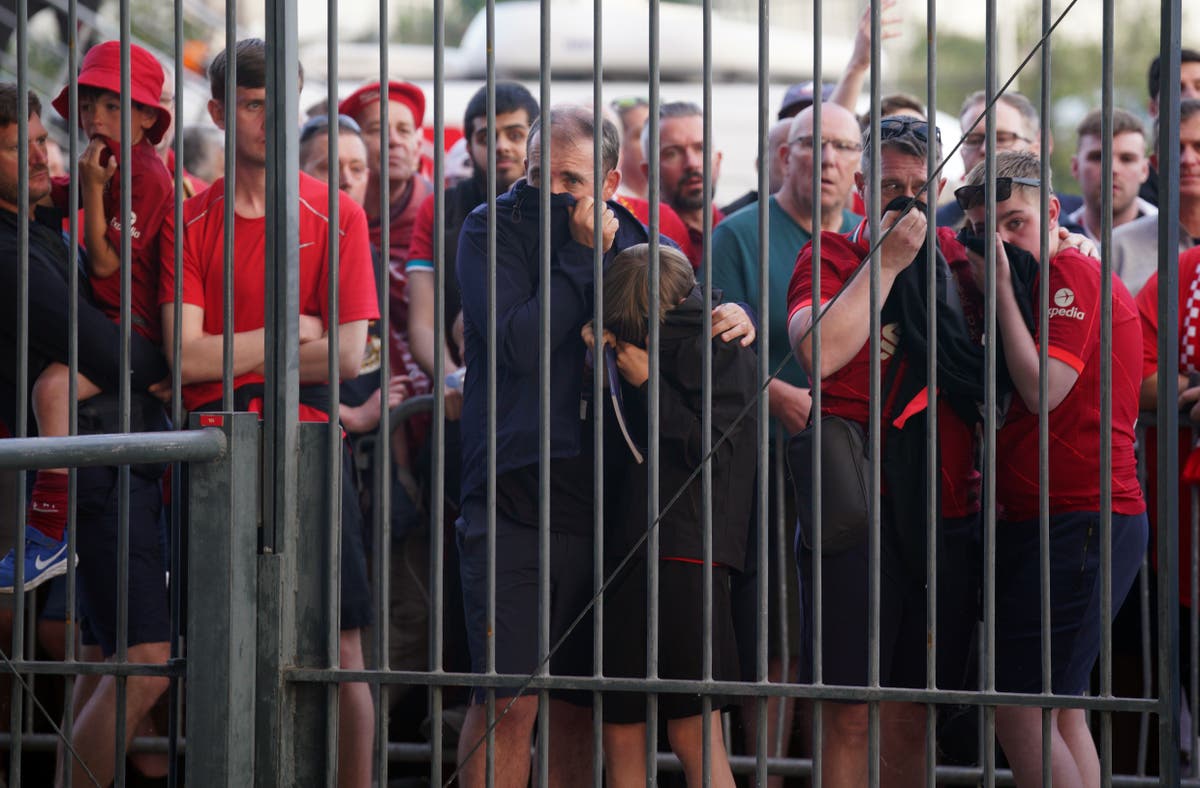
[
  {"x": 151, "y": 199},
  {"x": 203, "y": 277},
  {"x": 1073, "y": 337},
  {"x": 846, "y": 392},
  {"x": 669, "y": 223},
  {"x": 1147, "y": 304}
]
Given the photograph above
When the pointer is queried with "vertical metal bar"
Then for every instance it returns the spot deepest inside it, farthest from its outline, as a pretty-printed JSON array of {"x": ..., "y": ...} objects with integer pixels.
[
  {"x": 24, "y": 212},
  {"x": 1170, "y": 26},
  {"x": 762, "y": 490},
  {"x": 228, "y": 206},
  {"x": 652, "y": 406},
  {"x": 546, "y": 139},
  {"x": 598, "y": 391},
  {"x": 1106, "y": 381},
  {"x": 932, "y": 469},
  {"x": 73, "y": 371},
  {"x": 333, "y": 432},
  {"x": 1043, "y": 312},
  {"x": 383, "y": 447},
  {"x": 122, "y": 653},
  {"x": 175, "y": 696},
  {"x": 989, "y": 431},
  {"x": 706, "y": 480},
  {"x": 1193, "y": 633},
  {"x": 875, "y": 417},
  {"x": 437, "y": 500},
  {"x": 492, "y": 417},
  {"x": 816, "y": 645},
  {"x": 282, "y": 268}
]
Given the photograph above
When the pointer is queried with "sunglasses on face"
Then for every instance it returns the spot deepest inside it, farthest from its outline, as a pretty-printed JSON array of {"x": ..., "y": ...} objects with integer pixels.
[
  {"x": 973, "y": 195},
  {"x": 897, "y": 125}
]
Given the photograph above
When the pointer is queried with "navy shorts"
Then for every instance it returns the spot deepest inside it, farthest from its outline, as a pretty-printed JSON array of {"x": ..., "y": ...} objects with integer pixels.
[
  {"x": 1074, "y": 597},
  {"x": 680, "y": 637},
  {"x": 517, "y": 598},
  {"x": 356, "y": 587},
  {"x": 96, "y": 546},
  {"x": 845, "y": 594}
]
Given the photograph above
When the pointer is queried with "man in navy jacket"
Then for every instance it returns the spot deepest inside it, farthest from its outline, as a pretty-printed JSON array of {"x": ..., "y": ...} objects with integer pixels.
[{"x": 518, "y": 501}]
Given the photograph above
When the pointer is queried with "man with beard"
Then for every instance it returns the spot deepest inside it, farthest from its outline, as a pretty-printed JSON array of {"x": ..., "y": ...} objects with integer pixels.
[
  {"x": 1130, "y": 168},
  {"x": 681, "y": 169},
  {"x": 516, "y": 110}
]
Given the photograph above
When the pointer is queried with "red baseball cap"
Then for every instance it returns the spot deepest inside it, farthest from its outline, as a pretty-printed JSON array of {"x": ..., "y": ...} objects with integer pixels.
[
  {"x": 102, "y": 69},
  {"x": 406, "y": 93}
]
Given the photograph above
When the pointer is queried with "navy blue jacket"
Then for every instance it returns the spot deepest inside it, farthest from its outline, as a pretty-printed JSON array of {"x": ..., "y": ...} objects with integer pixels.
[{"x": 518, "y": 316}]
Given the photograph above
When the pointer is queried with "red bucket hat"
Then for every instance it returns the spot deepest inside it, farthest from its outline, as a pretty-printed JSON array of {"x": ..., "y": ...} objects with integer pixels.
[
  {"x": 102, "y": 69},
  {"x": 406, "y": 93}
]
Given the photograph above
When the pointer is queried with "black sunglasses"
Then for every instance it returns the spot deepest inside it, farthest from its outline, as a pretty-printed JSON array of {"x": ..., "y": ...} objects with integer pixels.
[
  {"x": 895, "y": 125},
  {"x": 974, "y": 194}
]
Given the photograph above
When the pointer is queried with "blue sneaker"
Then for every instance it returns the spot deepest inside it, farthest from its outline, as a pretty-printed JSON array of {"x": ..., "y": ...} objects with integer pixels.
[{"x": 44, "y": 559}]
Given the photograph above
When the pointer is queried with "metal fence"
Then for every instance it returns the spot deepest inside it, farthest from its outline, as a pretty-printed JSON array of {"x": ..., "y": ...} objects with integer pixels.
[{"x": 258, "y": 648}]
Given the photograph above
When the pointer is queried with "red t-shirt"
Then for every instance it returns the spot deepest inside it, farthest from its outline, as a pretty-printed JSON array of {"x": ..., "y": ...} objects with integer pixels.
[
  {"x": 203, "y": 276},
  {"x": 152, "y": 198},
  {"x": 846, "y": 392},
  {"x": 401, "y": 222},
  {"x": 1073, "y": 338},
  {"x": 1147, "y": 305},
  {"x": 669, "y": 223}
]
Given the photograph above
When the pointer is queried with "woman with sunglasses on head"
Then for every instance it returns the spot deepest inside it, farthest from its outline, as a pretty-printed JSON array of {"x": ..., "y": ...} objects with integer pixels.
[{"x": 1071, "y": 330}]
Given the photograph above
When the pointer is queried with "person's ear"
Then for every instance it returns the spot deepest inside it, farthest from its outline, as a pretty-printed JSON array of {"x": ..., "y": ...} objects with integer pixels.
[
  {"x": 941, "y": 185},
  {"x": 1055, "y": 210},
  {"x": 1075, "y": 167},
  {"x": 611, "y": 182},
  {"x": 216, "y": 111}
]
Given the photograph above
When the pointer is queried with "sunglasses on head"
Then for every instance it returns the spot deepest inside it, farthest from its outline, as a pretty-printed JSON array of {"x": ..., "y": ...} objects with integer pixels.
[
  {"x": 974, "y": 194},
  {"x": 896, "y": 125}
]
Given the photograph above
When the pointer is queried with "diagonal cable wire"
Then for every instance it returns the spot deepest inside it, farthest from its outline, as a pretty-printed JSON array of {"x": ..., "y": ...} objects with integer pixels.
[
  {"x": 49, "y": 718},
  {"x": 752, "y": 403}
]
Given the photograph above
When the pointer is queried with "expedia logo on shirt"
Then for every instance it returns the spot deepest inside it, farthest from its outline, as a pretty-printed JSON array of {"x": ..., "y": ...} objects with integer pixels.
[
  {"x": 1064, "y": 301},
  {"x": 134, "y": 232}
]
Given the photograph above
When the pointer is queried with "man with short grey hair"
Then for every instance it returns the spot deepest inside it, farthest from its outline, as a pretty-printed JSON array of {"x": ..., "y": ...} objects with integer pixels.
[
  {"x": 1135, "y": 245},
  {"x": 1018, "y": 127},
  {"x": 519, "y": 291}
]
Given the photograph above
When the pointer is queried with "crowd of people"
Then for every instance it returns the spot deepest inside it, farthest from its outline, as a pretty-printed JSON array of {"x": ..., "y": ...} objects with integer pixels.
[{"x": 821, "y": 181}]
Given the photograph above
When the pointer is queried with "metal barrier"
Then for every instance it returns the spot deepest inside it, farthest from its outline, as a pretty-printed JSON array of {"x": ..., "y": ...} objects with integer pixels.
[{"x": 262, "y": 653}]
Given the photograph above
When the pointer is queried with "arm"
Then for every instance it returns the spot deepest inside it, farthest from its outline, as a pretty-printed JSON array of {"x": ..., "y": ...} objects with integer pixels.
[
  {"x": 314, "y": 355},
  {"x": 790, "y": 404},
  {"x": 103, "y": 259},
  {"x": 518, "y": 305},
  {"x": 844, "y": 330},
  {"x": 421, "y": 329},
  {"x": 201, "y": 354},
  {"x": 850, "y": 85},
  {"x": 1020, "y": 350}
]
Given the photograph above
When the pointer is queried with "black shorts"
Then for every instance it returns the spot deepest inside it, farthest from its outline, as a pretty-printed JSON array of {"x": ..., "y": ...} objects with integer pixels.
[
  {"x": 680, "y": 637},
  {"x": 902, "y": 620},
  {"x": 96, "y": 547},
  {"x": 356, "y": 587},
  {"x": 517, "y": 583},
  {"x": 1074, "y": 597}
]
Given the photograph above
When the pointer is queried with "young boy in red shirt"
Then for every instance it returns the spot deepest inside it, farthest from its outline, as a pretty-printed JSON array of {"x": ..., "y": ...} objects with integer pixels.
[
  {"x": 99, "y": 178},
  {"x": 1071, "y": 330}
]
